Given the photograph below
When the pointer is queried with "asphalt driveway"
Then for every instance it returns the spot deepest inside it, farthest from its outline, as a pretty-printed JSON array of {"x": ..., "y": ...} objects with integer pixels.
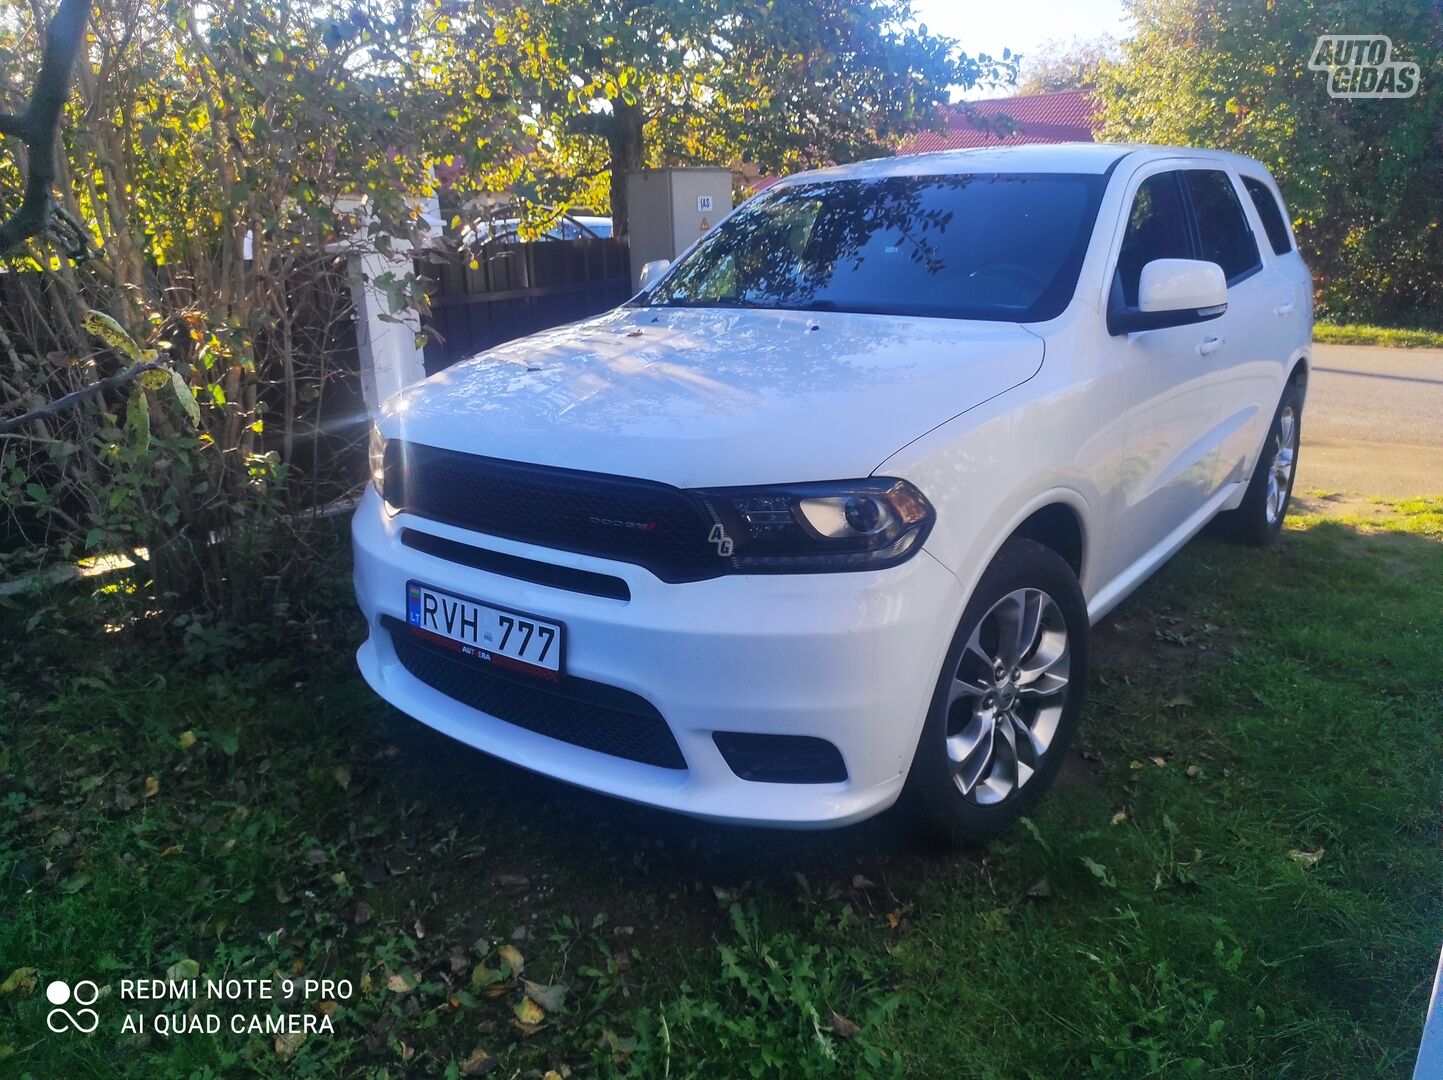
[{"x": 1373, "y": 425}]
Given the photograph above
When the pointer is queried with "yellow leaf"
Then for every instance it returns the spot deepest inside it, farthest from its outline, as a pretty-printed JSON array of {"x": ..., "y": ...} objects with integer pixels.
[
  {"x": 530, "y": 1013},
  {"x": 403, "y": 982},
  {"x": 512, "y": 958},
  {"x": 478, "y": 1064},
  {"x": 186, "y": 740},
  {"x": 152, "y": 787},
  {"x": 22, "y": 979}
]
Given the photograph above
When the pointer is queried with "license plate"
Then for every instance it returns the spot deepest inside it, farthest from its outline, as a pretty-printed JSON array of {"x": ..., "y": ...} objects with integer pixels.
[{"x": 500, "y": 636}]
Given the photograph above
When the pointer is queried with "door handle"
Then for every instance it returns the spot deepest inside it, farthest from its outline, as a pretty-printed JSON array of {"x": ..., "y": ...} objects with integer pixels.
[
  {"x": 1285, "y": 308},
  {"x": 1210, "y": 346}
]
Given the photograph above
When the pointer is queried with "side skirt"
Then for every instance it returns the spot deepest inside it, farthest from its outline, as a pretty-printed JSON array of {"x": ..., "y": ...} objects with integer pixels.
[{"x": 1119, "y": 588}]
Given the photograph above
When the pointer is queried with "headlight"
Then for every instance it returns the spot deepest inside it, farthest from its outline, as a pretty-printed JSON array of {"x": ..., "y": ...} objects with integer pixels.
[
  {"x": 376, "y": 452},
  {"x": 845, "y": 525}
]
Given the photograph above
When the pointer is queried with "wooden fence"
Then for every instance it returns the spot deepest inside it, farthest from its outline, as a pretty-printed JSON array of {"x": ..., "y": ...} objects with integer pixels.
[{"x": 518, "y": 289}]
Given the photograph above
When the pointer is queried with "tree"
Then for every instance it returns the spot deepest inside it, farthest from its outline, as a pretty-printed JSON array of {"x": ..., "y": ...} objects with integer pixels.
[
  {"x": 609, "y": 86},
  {"x": 222, "y": 162},
  {"x": 1065, "y": 65},
  {"x": 1360, "y": 177},
  {"x": 39, "y": 125}
]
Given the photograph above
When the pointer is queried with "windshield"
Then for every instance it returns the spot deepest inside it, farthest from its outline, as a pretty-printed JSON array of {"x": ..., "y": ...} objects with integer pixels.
[{"x": 1001, "y": 247}]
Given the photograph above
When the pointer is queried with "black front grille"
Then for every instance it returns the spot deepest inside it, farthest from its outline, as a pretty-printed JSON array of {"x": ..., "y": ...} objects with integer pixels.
[
  {"x": 590, "y": 714},
  {"x": 638, "y": 521},
  {"x": 513, "y": 566},
  {"x": 781, "y": 759}
]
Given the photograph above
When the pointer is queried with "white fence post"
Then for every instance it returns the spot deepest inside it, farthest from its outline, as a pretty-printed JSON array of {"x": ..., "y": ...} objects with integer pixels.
[{"x": 390, "y": 359}]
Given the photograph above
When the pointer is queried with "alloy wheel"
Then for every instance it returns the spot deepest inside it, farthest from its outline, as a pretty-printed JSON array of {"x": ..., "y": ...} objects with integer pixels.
[
  {"x": 1007, "y": 696},
  {"x": 1280, "y": 471}
]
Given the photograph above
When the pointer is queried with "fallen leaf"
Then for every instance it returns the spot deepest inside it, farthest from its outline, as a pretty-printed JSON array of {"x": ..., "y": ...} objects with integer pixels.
[
  {"x": 152, "y": 786},
  {"x": 478, "y": 1064},
  {"x": 343, "y": 777},
  {"x": 512, "y": 958},
  {"x": 1134, "y": 764},
  {"x": 861, "y": 881},
  {"x": 21, "y": 979},
  {"x": 1040, "y": 889},
  {"x": 894, "y": 917},
  {"x": 551, "y": 1074},
  {"x": 513, "y": 880},
  {"x": 529, "y": 1013},
  {"x": 548, "y": 997},
  {"x": 1158, "y": 760},
  {"x": 1179, "y": 701},
  {"x": 186, "y": 740},
  {"x": 403, "y": 982},
  {"x": 841, "y": 1026},
  {"x": 287, "y": 1044},
  {"x": 621, "y": 1049},
  {"x": 182, "y": 970},
  {"x": 1119, "y": 816},
  {"x": 483, "y": 977},
  {"x": 1193, "y": 772},
  {"x": 1306, "y": 858},
  {"x": 363, "y": 913}
]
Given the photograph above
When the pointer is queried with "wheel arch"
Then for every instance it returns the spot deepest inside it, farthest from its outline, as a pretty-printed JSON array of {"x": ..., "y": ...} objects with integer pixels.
[{"x": 1056, "y": 518}]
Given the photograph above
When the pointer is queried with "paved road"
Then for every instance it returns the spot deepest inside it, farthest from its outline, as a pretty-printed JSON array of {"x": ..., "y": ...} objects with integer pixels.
[{"x": 1374, "y": 422}]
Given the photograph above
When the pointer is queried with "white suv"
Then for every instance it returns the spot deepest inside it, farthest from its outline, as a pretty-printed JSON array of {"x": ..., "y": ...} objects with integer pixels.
[{"x": 822, "y": 516}]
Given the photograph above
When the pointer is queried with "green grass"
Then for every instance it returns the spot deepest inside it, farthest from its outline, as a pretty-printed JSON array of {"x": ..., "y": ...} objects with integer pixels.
[
  {"x": 1360, "y": 334},
  {"x": 1238, "y": 873}
]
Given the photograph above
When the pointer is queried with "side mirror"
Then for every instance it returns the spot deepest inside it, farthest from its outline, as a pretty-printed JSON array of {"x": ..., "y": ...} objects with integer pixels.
[
  {"x": 1171, "y": 292},
  {"x": 651, "y": 272}
]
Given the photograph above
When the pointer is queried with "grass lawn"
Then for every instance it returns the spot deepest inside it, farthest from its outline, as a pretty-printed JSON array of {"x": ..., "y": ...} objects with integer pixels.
[
  {"x": 1359, "y": 334},
  {"x": 1237, "y": 873}
]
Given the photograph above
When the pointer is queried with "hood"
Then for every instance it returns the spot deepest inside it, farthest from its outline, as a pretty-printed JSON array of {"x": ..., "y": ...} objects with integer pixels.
[{"x": 711, "y": 397}]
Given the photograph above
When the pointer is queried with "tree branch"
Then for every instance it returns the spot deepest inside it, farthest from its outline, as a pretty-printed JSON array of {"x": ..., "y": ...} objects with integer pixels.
[
  {"x": 40, "y": 126},
  {"x": 120, "y": 378}
]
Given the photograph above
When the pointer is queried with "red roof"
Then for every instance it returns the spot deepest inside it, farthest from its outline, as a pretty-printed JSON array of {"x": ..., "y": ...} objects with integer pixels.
[{"x": 1061, "y": 116}]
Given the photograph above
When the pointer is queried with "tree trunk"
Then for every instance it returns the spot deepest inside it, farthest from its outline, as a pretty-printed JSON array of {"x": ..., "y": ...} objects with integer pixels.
[{"x": 628, "y": 153}]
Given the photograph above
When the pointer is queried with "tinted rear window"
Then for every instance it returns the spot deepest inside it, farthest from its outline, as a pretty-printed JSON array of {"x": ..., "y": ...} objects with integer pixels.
[
  {"x": 1222, "y": 226},
  {"x": 1001, "y": 247},
  {"x": 1271, "y": 214}
]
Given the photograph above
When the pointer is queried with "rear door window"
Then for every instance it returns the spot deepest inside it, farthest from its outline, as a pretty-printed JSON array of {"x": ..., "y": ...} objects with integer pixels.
[
  {"x": 1222, "y": 227},
  {"x": 1270, "y": 213},
  {"x": 1157, "y": 228}
]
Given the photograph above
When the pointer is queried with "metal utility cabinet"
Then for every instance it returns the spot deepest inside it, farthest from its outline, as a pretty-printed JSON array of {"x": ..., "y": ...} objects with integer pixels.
[{"x": 669, "y": 209}]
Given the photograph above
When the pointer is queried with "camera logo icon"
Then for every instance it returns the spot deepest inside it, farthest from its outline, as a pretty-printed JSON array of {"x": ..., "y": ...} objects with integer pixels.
[{"x": 84, "y": 1019}]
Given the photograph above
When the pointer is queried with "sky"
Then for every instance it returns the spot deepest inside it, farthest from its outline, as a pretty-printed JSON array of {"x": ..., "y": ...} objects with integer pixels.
[{"x": 1020, "y": 25}]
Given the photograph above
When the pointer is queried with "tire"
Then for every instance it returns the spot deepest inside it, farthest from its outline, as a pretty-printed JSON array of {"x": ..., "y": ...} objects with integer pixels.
[
  {"x": 955, "y": 791},
  {"x": 1259, "y": 518}
]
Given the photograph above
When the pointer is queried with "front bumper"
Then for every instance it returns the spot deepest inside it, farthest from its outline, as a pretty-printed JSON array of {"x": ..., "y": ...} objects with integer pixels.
[{"x": 851, "y": 658}]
